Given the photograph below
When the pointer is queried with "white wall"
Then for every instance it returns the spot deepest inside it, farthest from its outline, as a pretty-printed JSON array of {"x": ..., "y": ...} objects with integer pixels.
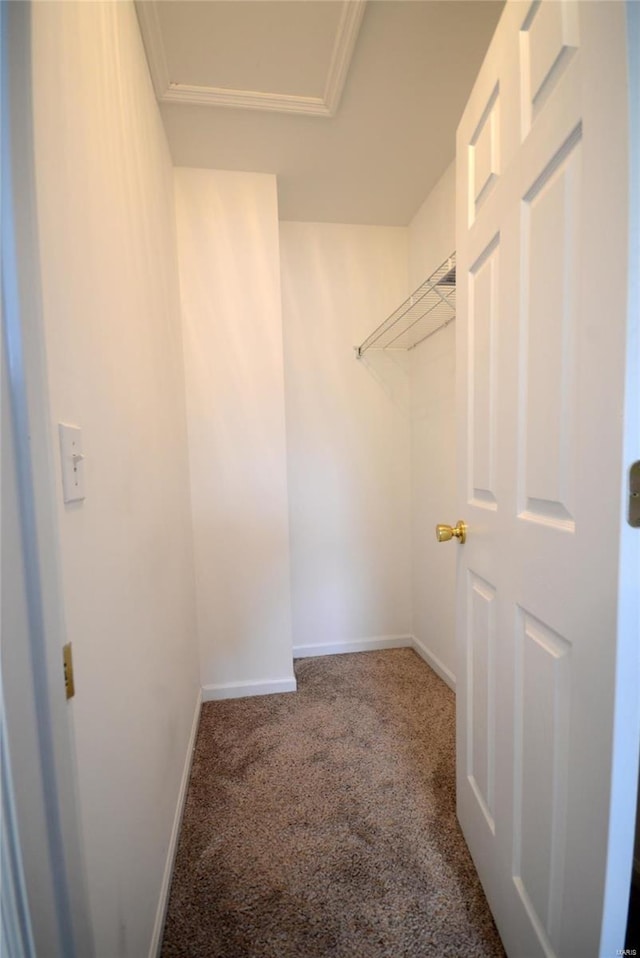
[
  {"x": 231, "y": 308},
  {"x": 433, "y": 423},
  {"x": 347, "y": 435},
  {"x": 114, "y": 352}
]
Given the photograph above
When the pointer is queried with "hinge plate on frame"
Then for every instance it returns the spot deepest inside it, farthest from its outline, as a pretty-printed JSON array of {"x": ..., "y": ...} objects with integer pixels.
[
  {"x": 634, "y": 495},
  {"x": 67, "y": 658}
]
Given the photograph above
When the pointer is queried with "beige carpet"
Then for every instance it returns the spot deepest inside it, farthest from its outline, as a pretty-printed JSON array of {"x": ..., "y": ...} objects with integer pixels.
[{"x": 323, "y": 823}]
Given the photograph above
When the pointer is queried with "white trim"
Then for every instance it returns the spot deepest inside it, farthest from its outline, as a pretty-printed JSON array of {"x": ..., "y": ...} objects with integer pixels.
[
  {"x": 244, "y": 99},
  {"x": 154, "y": 47},
  {"x": 373, "y": 644},
  {"x": 626, "y": 729},
  {"x": 163, "y": 901},
  {"x": 438, "y": 667},
  {"x": 326, "y": 105},
  {"x": 241, "y": 690},
  {"x": 16, "y": 933},
  {"x": 348, "y": 30},
  {"x": 36, "y": 712},
  {"x": 377, "y": 643}
]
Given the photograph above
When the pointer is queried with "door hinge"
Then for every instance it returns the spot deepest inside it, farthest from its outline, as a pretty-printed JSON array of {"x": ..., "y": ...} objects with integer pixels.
[
  {"x": 67, "y": 658},
  {"x": 634, "y": 495},
  {"x": 633, "y": 516}
]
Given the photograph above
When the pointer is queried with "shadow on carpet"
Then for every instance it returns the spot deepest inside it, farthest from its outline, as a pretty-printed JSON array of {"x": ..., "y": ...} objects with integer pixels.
[{"x": 323, "y": 823}]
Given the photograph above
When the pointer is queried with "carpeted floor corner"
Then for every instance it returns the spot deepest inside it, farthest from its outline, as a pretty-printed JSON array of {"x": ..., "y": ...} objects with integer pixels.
[{"x": 322, "y": 824}]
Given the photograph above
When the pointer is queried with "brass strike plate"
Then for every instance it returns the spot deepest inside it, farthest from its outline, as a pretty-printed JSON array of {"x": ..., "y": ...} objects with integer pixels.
[
  {"x": 67, "y": 659},
  {"x": 634, "y": 495}
]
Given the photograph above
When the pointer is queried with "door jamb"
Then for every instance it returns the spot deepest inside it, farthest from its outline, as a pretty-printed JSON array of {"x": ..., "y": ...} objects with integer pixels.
[
  {"x": 60, "y": 879},
  {"x": 626, "y": 731}
]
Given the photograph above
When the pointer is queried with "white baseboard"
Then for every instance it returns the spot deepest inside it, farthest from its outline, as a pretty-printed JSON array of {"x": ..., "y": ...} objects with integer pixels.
[
  {"x": 358, "y": 645},
  {"x": 374, "y": 644},
  {"x": 240, "y": 690},
  {"x": 163, "y": 901},
  {"x": 438, "y": 667}
]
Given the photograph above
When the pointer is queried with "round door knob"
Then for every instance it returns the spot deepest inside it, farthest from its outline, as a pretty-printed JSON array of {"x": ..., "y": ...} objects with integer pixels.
[{"x": 459, "y": 532}]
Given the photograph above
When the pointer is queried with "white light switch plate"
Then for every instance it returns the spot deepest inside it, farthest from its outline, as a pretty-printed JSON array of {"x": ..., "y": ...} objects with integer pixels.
[{"x": 72, "y": 462}]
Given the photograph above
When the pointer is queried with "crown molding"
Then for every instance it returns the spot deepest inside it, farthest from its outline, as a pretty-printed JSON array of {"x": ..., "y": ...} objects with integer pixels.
[
  {"x": 244, "y": 99},
  {"x": 147, "y": 11},
  {"x": 348, "y": 30},
  {"x": 326, "y": 105}
]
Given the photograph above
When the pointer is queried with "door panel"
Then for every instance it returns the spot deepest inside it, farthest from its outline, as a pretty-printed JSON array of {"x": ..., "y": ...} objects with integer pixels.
[
  {"x": 484, "y": 152},
  {"x": 549, "y": 37},
  {"x": 483, "y": 336},
  {"x": 542, "y": 191},
  {"x": 541, "y": 700},
  {"x": 550, "y": 266},
  {"x": 481, "y": 692}
]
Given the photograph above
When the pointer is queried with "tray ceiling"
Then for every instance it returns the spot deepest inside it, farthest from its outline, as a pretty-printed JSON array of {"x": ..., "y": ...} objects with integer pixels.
[
  {"x": 353, "y": 106},
  {"x": 281, "y": 56}
]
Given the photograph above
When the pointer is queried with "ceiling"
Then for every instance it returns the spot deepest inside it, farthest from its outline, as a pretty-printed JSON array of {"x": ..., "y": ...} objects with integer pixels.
[{"x": 353, "y": 105}]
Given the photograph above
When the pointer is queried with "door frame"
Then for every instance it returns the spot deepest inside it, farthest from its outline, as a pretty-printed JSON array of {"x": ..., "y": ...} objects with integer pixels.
[
  {"x": 624, "y": 779},
  {"x": 42, "y": 792}
]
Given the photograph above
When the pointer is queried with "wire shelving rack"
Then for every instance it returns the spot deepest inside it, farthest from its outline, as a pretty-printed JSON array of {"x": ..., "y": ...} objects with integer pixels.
[{"x": 430, "y": 307}]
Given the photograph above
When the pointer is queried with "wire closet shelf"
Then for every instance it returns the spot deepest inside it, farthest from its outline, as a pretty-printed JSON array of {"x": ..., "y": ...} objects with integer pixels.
[{"x": 430, "y": 307}]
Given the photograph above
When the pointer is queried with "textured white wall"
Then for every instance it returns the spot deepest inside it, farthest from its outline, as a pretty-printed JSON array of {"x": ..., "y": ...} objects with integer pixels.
[
  {"x": 433, "y": 425},
  {"x": 114, "y": 351},
  {"x": 231, "y": 308},
  {"x": 347, "y": 434}
]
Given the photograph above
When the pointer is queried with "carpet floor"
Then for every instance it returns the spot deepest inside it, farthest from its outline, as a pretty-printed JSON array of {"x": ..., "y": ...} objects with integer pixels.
[{"x": 322, "y": 824}]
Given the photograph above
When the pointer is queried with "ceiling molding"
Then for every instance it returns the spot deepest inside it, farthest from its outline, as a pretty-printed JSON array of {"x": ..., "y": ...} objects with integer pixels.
[
  {"x": 244, "y": 99},
  {"x": 168, "y": 92},
  {"x": 348, "y": 29},
  {"x": 154, "y": 46}
]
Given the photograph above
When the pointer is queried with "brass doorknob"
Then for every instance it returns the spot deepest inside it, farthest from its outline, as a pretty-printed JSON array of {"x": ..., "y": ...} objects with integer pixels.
[{"x": 459, "y": 532}]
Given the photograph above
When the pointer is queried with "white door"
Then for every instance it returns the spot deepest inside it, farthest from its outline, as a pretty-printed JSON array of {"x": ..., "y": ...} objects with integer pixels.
[{"x": 542, "y": 263}]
